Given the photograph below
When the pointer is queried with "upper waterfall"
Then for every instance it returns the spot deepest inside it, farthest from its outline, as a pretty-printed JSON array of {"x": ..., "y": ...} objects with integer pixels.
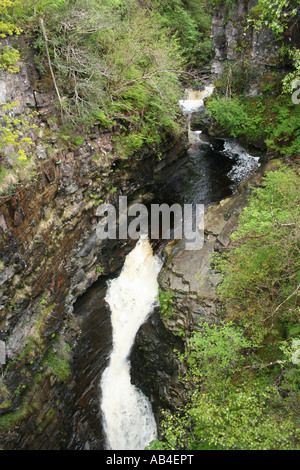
[{"x": 194, "y": 99}]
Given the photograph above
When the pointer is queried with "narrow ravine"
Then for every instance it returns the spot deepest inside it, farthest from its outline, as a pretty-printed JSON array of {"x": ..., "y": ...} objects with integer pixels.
[
  {"x": 127, "y": 415},
  {"x": 213, "y": 170}
]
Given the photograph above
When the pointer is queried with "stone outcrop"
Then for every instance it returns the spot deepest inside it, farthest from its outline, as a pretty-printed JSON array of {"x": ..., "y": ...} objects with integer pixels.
[
  {"x": 233, "y": 41},
  {"x": 190, "y": 275},
  {"x": 236, "y": 41}
]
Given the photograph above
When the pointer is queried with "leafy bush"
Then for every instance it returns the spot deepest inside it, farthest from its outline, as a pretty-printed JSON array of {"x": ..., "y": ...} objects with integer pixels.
[
  {"x": 274, "y": 14},
  {"x": 261, "y": 274},
  {"x": 234, "y": 117},
  {"x": 166, "y": 302},
  {"x": 285, "y": 137},
  {"x": 116, "y": 66},
  {"x": 7, "y": 23},
  {"x": 228, "y": 406},
  {"x": 191, "y": 22},
  {"x": 274, "y": 120},
  {"x": 8, "y": 59}
]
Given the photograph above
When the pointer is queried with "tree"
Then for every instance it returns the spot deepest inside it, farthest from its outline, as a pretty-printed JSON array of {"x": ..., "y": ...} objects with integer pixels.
[
  {"x": 261, "y": 272},
  {"x": 116, "y": 63},
  {"x": 231, "y": 403},
  {"x": 278, "y": 15}
]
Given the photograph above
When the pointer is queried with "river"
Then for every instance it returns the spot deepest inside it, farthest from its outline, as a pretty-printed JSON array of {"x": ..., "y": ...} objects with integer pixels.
[{"x": 118, "y": 307}]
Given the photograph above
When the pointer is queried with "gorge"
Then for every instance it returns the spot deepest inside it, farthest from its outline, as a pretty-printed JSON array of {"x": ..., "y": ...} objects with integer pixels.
[
  {"x": 91, "y": 329},
  {"x": 154, "y": 349}
]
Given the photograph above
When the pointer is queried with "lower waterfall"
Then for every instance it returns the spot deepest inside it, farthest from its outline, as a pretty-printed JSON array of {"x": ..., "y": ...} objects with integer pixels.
[{"x": 128, "y": 420}]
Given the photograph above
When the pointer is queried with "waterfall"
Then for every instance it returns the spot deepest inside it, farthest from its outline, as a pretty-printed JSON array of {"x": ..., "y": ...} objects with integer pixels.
[
  {"x": 194, "y": 99},
  {"x": 193, "y": 102},
  {"x": 128, "y": 420},
  {"x": 243, "y": 163}
]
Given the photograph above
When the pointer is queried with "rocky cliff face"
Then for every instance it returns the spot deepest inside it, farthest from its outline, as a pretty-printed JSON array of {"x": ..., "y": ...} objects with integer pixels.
[
  {"x": 190, "y": 274},
  {"x": 233, "y": 41},
  {"x": 236, "y": 41},
  {"x": 50, "y": 255}
]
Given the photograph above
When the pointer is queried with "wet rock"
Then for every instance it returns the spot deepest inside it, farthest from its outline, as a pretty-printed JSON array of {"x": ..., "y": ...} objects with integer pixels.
[
  {"x": 191, "y": 275},
  {"x": 7, "y": 275},
  {"x": 231, "y": 42},
  {"x": 154, "y": 364},
  {"x": 41, "y": 152},
  {"x": 200, "y": 120}
]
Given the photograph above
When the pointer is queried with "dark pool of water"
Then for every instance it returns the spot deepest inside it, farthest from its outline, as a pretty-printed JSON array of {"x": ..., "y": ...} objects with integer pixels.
[
  {"x": 203, "y": 179},
  {"x": 209, "y": 175}
]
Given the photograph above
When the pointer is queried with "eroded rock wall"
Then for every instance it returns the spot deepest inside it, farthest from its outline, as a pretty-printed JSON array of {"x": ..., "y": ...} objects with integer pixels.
[
  {"x": 236, "y": 41},
  {"x": 50, "y": 255}
]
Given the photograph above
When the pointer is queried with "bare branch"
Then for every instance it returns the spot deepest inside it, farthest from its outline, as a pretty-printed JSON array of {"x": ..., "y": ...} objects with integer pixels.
[
  {"x": 49, "y": 61},
  {"x": 287, "y": 299}
]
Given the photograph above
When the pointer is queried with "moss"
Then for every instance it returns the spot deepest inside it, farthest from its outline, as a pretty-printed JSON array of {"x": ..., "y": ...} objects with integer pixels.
[
  {"x": 55, "y": 365},
  {"x": 49, "y": 417},
  {"x": 39, "y": 326},
  {"x": 9, "y": 420},
  {"x": 57, "y": 360},
  {"x": 5, "y": 396}
]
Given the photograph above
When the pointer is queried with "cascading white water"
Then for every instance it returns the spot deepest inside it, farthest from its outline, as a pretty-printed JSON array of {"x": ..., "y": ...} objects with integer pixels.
[
  {"x": 194, "y": 99},
  {"x": 193, "y": 102},
  {"x": 245, "y": 163},
  {"x": 128, "y": 420}
]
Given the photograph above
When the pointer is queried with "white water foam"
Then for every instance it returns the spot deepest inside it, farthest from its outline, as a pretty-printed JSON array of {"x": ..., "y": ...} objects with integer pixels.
[
  {"x": 195, "y": 99},
  {"x": 128, "y": 421},
  {"x": 245, "y": 164}
]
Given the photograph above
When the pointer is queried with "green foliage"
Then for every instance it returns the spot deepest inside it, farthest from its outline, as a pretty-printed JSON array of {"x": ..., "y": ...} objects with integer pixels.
[
  {"x": 207, "y": 356},
  {"x": 57, "y": 360},
  {"x": 8, "y": 55},
  {"x": 285, "y": 137},
  {"x": 278, "y": 15},
  {"x": 7, "y": 24},
  {"x": 27, "y": 10},
  {"x": 78, "y": 141},
  {"x": 275, "y": 14},
  {"x": 274, "y": 120},
  {"x": 243, "y": 423},
  {"x": 230, "y": 113},
  {"x": 228, "y": 405},
  {"x": 291, "y": 77},
  {"x": 12, "y": 128},
  {"x": 235, "y": 117},
  {"x": 16, "y": 164},
  {"x": 8, "y": 59},
  {"x": 116, "y": 62},
  {"x": 166, "y": 302},
  {"x": 117, "y": 65},
  {"x": 261, "y": 275},
  {"x": 190, "y": 21},
  {"x": 8, "y": 421}
]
